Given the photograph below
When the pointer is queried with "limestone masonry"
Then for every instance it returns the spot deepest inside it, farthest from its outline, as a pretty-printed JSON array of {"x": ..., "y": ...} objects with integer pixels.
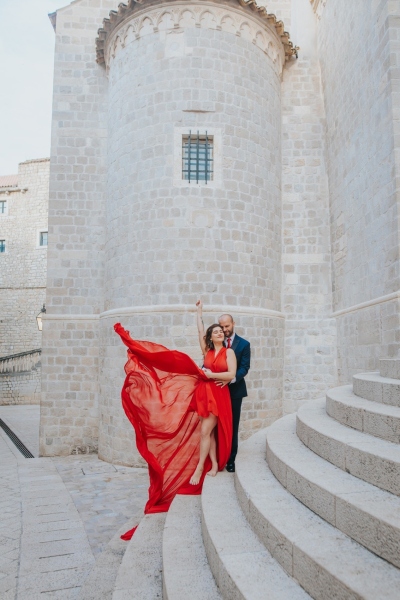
[
  {"x": 23, "y": 262},
  {"x": 293, "y": 225}
]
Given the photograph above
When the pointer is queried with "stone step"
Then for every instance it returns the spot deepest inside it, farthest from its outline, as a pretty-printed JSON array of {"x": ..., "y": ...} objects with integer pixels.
[
  {"x": 326, "y": 562},
  {"x": 186, "y": 572},
  {"x": 100, "y": 582},
  {"x": 390, "y": 367},
  {"x": 140, "y": 574},
  {"x": 379, "y": 420},
  {"x": 372, "y": 386},
  {"x": 241, "y": 565},
  {"x": 365, "y": 513},
  {"x": 365, "y": 456}
]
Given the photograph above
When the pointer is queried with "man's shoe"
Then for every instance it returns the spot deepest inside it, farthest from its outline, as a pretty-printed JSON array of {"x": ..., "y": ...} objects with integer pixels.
[{"x": 230, "y": 467}]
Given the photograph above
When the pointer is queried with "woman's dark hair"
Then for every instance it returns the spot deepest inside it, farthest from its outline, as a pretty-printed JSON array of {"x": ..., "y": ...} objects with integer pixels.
[{"x": 207, "y": 337}]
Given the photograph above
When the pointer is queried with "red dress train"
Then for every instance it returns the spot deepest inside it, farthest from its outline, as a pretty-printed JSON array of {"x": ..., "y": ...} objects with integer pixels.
[{"x": 163, "y": 395}]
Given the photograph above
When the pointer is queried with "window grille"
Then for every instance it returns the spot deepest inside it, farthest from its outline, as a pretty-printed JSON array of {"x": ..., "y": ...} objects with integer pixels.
[
  {"x": 197, "y": 157},
  {"x": 43, "y": 238},
  {"x": 2, "y": 245},
  {"x": 3, "y": 204}
]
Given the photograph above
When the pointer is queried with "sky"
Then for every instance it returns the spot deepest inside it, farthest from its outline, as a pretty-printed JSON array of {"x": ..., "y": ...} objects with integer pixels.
[{"x": 26, "y": 78}]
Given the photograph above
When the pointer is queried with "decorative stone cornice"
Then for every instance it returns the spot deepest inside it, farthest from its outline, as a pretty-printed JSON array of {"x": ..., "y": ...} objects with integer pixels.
[
  {"x": 7, "y": 190},
  {"x": 35, "y": 160},
  {"x": 176, "y": 13}
]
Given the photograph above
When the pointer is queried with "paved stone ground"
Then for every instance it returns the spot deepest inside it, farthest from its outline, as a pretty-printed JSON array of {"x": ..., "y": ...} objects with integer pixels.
[
  {"x": 58, "y": 515},
  {"x": 24, "y": 422}
]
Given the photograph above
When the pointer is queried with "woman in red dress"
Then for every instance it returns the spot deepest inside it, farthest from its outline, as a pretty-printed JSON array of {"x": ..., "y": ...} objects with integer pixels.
[
  {"x": 220, "y": 366},
  {"x": 181, "y": 414}
]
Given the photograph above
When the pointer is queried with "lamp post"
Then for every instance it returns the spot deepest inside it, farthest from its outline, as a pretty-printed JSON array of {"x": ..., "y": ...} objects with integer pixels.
[{"x": 39, "y": 317}]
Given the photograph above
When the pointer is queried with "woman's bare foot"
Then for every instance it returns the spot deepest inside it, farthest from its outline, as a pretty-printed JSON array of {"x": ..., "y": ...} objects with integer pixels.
[
  {"x": 195, "y": 478},
  {"x": 214, "y": 470}
]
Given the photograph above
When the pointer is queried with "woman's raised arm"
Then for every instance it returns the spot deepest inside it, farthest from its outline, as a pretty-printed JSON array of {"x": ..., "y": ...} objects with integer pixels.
[{"x": 200, "y": 326}]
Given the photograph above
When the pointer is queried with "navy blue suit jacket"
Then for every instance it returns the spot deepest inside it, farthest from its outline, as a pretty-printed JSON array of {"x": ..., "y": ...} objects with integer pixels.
[{"x": 241, "y": 348}]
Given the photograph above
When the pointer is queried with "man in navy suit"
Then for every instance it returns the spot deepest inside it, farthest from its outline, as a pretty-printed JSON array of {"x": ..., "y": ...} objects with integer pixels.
[{"x": 237, "y": 387}]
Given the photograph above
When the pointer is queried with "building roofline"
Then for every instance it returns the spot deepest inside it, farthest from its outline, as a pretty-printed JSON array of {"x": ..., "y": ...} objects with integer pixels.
[
  {"x": 34, "y": 160},
  {"x": 116, "y": 17},
  {"x": 53, "y": 19}
]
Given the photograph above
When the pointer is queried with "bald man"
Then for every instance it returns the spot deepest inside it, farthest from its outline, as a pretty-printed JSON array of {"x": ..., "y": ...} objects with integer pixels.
[{"x": 237, "y": 386}]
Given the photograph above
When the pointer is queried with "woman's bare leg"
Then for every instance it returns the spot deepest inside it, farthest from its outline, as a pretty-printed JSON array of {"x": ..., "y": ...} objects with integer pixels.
[
  {"x": 207, "y": 425},
  {"x": 213, "y": 455}
]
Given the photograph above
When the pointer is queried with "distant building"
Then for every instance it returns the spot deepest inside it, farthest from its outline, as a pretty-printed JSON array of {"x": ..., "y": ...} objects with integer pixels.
[{"x": 24, "y": 202}]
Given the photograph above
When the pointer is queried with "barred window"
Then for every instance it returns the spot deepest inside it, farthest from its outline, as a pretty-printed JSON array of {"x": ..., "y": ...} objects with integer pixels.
[
  {"x": 43, "y": 238},
  {"x": 3, "y": 206},
  {"x": 2, "y": 245},
  {"x": 197, "y": 157}
]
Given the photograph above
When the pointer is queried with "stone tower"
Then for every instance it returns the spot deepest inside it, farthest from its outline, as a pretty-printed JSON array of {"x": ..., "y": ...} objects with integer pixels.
[{"x": 211, "y": 71}]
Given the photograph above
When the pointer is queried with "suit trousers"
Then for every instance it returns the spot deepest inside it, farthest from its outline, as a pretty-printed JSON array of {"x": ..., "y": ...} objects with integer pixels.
[{"x": 236, "y": 409}]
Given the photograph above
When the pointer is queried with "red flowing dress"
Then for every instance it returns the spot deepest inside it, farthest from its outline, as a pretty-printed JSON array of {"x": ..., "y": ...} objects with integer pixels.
[{"x": 163, "y": 395}]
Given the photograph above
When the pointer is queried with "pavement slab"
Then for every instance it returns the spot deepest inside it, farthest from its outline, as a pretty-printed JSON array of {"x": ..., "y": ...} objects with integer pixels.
[{"x": 59, "y": 514}]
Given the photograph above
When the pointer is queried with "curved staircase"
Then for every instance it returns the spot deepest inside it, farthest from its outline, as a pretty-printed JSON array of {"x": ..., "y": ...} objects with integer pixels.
[{"x": 313, "y": 511}]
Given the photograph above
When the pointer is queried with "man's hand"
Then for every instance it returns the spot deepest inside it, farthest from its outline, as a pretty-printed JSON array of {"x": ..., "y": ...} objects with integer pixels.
[{"x": 221, "y": 383}]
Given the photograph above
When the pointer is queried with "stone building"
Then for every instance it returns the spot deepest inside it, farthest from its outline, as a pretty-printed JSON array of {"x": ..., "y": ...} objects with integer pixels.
[
  {"x": 197, "y": 152},
  {"x": 23, "y": 262}
]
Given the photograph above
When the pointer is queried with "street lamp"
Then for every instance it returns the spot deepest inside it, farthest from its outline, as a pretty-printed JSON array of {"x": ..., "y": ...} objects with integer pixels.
[{"x": 39, "y": 318}]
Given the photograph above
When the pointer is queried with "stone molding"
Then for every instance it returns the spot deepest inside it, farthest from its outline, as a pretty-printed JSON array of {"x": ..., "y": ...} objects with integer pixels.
[
  {"x": 213, "y": 308},
  {"x": 355, "y": 307},
  {"x": 21, "y": 362},
  {"x": 35, "y": 160},
  {"x": 251, "y": 22},
  {"x": 318, "y": 6},
  {"x": 7, "y": 191},
  {"x": 69, "y": 317},
  {"x": 168, "y": 308}
]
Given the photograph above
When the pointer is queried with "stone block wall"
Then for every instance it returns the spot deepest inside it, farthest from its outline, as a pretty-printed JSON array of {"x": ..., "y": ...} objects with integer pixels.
[
  {"x": 20, "y": 378},
  {"x": 168, "y": 241},
  {"x": 365, "y": 335},
  {"x": 76, "y": 233},
  {"x": 310, "y": 331},
  {"x": 69, "y": 414},
  {"x": 360, "y": 67},
  {"x": 23, "y": 265}
]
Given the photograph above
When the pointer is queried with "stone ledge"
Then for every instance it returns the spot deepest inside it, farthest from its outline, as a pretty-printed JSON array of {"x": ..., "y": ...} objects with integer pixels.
[
  {"x": 374, "y": 418},
  {"x": 374, "y": 387},
  {"x": 186, "y": 572},
  {"x": 367, "y": 514},
  {"x": 243, "y": 568},
  {"x": 373, "y": 460},
  {"x": 326, "y": 562},
  {"x": 141, "y": 567}
]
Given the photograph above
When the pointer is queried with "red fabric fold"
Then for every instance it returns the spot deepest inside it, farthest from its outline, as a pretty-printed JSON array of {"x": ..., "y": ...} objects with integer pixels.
[
  {"x": 128, "y": 535},
  {"x": 163, "y": 395}
]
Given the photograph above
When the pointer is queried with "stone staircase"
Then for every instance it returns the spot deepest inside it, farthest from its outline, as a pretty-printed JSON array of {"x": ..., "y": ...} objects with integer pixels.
[{"x": 313, "y": 511}]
